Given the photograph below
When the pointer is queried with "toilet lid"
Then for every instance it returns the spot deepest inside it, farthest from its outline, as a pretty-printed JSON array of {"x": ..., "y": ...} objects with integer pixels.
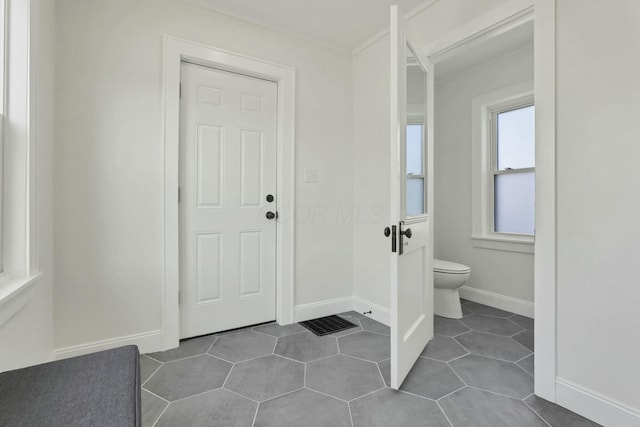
[{"x": 442, "y": 266}]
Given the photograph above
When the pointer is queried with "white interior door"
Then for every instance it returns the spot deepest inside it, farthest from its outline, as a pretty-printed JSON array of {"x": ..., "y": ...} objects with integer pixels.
[
  {"x": 411, "y": 201},
  {"x": 227, "y": 191}
]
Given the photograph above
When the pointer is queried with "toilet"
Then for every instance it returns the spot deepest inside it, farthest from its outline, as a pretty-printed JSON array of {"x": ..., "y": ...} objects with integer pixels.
[{"x": 448, "y": 277}]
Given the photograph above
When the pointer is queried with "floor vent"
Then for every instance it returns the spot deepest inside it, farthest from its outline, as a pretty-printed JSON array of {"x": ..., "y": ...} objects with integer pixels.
[{"x": 327, "y": 325}]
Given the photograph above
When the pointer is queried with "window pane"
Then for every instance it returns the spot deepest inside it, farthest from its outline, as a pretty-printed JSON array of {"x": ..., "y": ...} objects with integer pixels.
[
  {"x": 415, "y": 196},
  {"x": 414, "y": 149},
  {"x": 516, "y": 138},
  {"x": 515, "y": 203}
]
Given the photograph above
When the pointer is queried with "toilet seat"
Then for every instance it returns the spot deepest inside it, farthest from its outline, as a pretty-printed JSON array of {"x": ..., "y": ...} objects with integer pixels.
[{"x": 448, "y": 267}]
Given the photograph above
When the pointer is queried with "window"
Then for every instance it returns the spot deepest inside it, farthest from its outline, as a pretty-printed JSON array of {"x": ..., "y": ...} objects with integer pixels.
[
  {"x": 503, "y": 156},
  {"x": 415, "y": 170},
  {"x": 513, "y": 149}
]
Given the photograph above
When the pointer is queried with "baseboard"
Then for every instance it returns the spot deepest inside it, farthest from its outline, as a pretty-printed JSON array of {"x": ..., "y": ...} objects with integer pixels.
[
  {"x": 503, "y": 302},
  {"x": 147, "y": 342},
  {"x": 594, "y": 406},
  {"x": 378, "y": 312},
  {"x": 321, "y": 308}
]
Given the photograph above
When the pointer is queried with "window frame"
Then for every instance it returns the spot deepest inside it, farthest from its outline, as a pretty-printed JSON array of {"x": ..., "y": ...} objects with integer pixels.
[
  {"x": 416, "y": 120},
  {"x": 484, "y": 167}
]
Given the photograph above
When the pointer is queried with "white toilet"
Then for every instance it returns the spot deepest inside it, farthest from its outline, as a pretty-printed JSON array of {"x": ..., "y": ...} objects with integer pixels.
[{"x": 447, "y": 278}]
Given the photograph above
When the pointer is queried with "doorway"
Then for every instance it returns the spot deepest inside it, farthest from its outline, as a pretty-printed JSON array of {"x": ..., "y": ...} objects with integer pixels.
[
  {"x": 228, "y": 196},
  {"x": 177, "y": 51}
]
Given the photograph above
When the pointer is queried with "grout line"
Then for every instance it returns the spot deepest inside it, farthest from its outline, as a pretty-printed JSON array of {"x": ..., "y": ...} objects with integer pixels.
[
  {"x": 160, "y": 416},
  {"x": 453, "y": 392},
  {"x": 457, "y": 375},
  {"x": 526, "y": 357},
  {"x": 365, "y": 395},
  {"x": 215, "y": 339},
  {"x": 496, "y": 393},
  {"x": 293, "y": 360},
  {"x": 157, "y": 395},
  {"x": 416, "y": 395},
  {"x": 325, "y": 394},
  {"x": 228, "y": 375},
  {"x": 255, "y": 415},
  {"x": 152, "y": 358},
  {"x": 350, "y": 413},
  {"x": 535, "y": 412},
  {"x": 444, "y": 413},
  {"x": 380, "y": 372},
  {"x": 197, "y": 394},
  {"x": 283, "y": 394},
  {"x": 238, "y": 394},
  {"x": 152, "y": 374}
]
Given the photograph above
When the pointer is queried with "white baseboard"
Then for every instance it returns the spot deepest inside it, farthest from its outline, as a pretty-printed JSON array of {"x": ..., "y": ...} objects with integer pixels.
[
  {"x": 321, "y": 308},
  {"x": 147, "y": 342},
  {"x": 378, "y": 312},
  {"x": 503, "y": 302},
  {"x": 594, "y": 406}
]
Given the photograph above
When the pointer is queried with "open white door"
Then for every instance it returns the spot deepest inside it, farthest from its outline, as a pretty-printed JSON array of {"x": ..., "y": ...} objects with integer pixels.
[{"x": 411, "y": 228}]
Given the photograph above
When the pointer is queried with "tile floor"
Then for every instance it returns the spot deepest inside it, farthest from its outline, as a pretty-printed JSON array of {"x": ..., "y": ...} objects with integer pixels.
[{"x": 476, "y": 371}]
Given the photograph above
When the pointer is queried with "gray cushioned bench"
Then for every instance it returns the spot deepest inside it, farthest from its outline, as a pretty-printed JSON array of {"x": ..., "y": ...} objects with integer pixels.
[{"x": 99, "y": 389}]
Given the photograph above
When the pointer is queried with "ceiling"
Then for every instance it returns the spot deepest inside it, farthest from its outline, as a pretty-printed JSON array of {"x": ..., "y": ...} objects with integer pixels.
[{"x": 343, "y": 25}]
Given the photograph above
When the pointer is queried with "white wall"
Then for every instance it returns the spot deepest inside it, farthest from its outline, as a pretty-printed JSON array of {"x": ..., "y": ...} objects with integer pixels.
[
  {"x": 500, "y": 272},
  {"x": 371, "y": 142},
  {"x": 598, "y": 235},
  {"x": 26, "y": 322},
  {"x": 109, "y": 165}
]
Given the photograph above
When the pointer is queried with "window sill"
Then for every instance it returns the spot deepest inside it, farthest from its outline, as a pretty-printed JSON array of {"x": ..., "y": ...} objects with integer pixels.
[
  {"x": 509, "y": 243},
  {"x": 15, "y": 295}
]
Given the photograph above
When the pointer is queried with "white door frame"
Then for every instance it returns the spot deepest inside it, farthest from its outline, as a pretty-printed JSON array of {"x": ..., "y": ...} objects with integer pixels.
[
  {"x": 490, "y": 25},
  {"x": 175, "y": 51}
]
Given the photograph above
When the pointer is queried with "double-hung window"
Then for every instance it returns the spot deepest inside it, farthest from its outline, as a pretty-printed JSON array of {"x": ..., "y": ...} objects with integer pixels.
[{"x": 503, "y": 169}]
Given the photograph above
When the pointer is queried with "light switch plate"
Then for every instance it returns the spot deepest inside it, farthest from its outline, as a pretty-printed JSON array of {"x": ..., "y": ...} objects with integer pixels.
[{"x": 311, "y": 175}]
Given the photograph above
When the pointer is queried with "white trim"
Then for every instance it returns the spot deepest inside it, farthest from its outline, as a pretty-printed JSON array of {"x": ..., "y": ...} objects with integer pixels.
[
  {"x": 176, "y": 50},
  {"x": 509, "y": 243},
  {"x": 146, "y": 341},
  {"x": 503, "y": 302},
  {"x": 498, "y": 21},
  {"x": 545, "y": 245},
  {"x": 314, "y": 310},
  {"x": 378, "y": 313},
  {"x": 16, "y": 296},
  {"x": 595, "y": 406}
]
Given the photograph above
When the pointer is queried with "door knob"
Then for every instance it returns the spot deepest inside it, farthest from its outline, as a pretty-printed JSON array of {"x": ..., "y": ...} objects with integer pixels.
[
  {"x": 407, "y": 233},
  {"x": 387, "y": 231},
  {"x": 271, "y": 215},
  {"x": 269, "y": 198}
]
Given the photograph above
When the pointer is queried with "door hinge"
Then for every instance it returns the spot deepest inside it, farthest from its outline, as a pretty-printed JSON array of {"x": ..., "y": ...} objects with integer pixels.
[
  {"x": 179, "y": 298},
  {"x": 180, "y": 90},
  {"x": 178, "y": 194}
]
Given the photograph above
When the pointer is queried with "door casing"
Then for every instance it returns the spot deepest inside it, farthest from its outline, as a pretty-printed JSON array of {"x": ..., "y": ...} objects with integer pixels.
[{"x": 175, "y": 51}]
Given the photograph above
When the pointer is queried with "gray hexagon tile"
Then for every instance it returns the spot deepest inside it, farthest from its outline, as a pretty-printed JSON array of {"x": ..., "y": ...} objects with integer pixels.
[
  {"x": 493, "y": 346},
  {"x": 466, "y": 311},
  {"x": 186, "y": 377},
  {"x": 218, "y": 408},
  {"x": 476, "y": 308},
  {"x": 527, "y": 364},
  {"x": 147, "y": 367},
  {"x": 366, "y": 345},
  {"x": 187, "y": 348},
  {"x": 557, "y": 416},
  {"x": 525, "y": 338},
  {"x": 303, "y": 408},
  {"x": 477, "y": 408},
  {"x": 266, "y": 377},
  {"x": 152, "y": 407},
  {"x": 443, "y": 348},
  {"x": 343, "y": 377},
  {"x": 494, "y": 375},
  {"x": 448, "y": 327},
  {"x": 494, "y": 325},
  {"x": 242, "y": 346},
  {"x": 277, "y": 330},
  {"x": 371, "y": 325},
  {"x": 306, "y": 347},
  {"x": 522, "y": 321},
  {"x": 431, "y": 379},
  {"x": 388, "y": 407}
]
